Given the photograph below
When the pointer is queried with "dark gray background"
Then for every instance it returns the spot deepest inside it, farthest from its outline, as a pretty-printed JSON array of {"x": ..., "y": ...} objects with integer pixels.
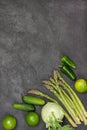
[{"x": 34, "y": 34}]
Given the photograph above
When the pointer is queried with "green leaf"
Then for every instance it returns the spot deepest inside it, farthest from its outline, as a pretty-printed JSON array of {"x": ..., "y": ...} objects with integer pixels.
[{"x": 66, "y": 127}]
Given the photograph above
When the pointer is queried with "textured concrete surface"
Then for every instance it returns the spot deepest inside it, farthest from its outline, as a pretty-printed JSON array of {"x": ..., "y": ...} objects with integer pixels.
[{"x": 34, "y": 34}]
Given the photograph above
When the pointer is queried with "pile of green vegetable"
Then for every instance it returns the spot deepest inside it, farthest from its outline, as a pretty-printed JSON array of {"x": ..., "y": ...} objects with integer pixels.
[
  {"x": 65, "y": 103},
  {"x": 32, "y": 118},
  {"x": 73, "y": 108}
]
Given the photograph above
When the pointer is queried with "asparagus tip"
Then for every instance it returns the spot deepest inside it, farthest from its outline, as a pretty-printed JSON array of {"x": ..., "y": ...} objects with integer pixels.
[{"x": 34, "y": 91}]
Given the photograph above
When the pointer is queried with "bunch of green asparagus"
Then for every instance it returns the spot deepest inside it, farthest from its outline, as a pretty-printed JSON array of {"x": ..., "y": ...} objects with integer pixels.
[{"x": 73, "y": 108}]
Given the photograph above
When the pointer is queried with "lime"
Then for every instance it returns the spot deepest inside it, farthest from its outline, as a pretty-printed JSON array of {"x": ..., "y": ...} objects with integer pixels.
[
  {"x": 9, "y": 122},
  {"x": 81, "y": 85},
  {"x": 32, "y": 118}
]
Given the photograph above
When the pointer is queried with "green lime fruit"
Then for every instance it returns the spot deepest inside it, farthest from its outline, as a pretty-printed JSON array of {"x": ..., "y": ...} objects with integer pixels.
[
  {"x": 32, "y": 118},
  {"x": 9, "y": 122},
  {"x": 81, "y": 85}
]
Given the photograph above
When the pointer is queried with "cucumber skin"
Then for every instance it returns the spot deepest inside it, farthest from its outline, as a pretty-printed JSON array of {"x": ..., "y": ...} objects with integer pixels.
[
  {"x": 23, "y": 106},
  {"x": 33, "y": 100}
]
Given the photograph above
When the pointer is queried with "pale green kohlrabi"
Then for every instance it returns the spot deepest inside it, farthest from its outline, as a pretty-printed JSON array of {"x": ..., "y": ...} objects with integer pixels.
[{"x": 52, "y": 113}]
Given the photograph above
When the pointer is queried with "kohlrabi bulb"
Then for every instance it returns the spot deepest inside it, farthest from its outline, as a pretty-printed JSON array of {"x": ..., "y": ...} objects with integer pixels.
[{"x": 51, "y": 112}]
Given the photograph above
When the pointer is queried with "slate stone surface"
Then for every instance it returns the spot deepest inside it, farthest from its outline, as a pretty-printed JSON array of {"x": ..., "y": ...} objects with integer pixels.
[{"x": 34, "y": 34}]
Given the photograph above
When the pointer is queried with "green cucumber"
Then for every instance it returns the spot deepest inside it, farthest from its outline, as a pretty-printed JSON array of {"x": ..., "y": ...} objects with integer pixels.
[
  {"x": 23, "y": 106},
  {"x": 68, "y": 61},
  {"x": 68, "y": 72},
  {"x": 33, "y": 100}
]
